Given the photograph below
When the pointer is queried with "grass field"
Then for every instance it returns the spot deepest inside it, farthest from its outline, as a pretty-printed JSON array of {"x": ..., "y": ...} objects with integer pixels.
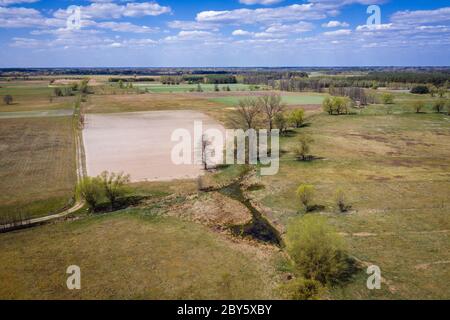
[
  {"x": 31, "y": 96},
  {"x": 139, "y": 256},
  {"x": 391, "y": 163},
  {"x": 37, "y": 165},
  {"x": 394, "y": 170},
  {"x": 289, "y": 99}
]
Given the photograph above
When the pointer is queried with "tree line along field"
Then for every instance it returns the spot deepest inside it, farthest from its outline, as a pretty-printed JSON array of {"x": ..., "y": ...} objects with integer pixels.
[{"x": 390, "y": 162}]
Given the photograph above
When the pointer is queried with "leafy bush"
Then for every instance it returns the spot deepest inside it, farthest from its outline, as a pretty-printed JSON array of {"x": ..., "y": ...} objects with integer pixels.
[
  {"x": 296, "y": 118},
  {"x": 302, "y": 289},
  {"x": 340, "y": 200},
  {"x": 90, "y": 190},
  {"x": 439, "y": 105},
  {"x": 304, "y": 146},
  {"x": 318, "y": 251},
  {"x": 306, "y": 194},
  {"x": 418, "y": 106},
  {"x": 387, "y": 98},
  {"x": 114, "y": 185},
  {"x": 8, "y": 99}
]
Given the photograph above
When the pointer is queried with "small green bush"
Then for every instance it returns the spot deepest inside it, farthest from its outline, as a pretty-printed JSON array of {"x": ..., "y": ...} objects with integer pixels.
[
  {"x": 302, "y": 289},
  {"x": 318, "y": 251}
]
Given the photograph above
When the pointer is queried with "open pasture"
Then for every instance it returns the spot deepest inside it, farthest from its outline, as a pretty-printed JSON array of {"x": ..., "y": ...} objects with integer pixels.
[
  {"x": 31, "y": 96},
  {"x": 134, "y": 255},
  {"x": 394, "y": 171},
  {"x": 289, "y": 99}
]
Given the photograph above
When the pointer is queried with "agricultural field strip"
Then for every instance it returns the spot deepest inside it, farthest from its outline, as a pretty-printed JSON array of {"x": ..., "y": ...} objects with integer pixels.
[{"x": 36, "y": 114}]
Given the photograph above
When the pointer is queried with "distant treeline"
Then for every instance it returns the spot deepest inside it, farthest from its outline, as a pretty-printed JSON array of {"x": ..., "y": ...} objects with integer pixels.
[
  {"x": 142, "y": 79},
  {"x": 269, "y": 77},
  {"x": 208, "y": 79},
  {"x": 435, "y": 78}
]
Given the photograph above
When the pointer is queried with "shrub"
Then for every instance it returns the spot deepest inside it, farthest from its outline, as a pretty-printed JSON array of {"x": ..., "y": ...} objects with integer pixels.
[
  {"x": 418, "y": 106},
  {"x": 420, "y": 90},
  {"x": 280, "y": 122},
  {"x": 318, "y": 251},
  {"x": 302, "y": 150},
  {"x": 439, "y": 105},
  {"x": 387, "y": 98},
  {"x": 327, "y": 105},
  {"x": 90, "y": 190},
  {"x": 305, "y": 193},
  {"x": 296, "y": 118},
  {"x": 114, "y": 185},
  {"x": 340, "y": 200},
  {"x": 302, "y": 289},
  {"x": 8, "y": 99}
]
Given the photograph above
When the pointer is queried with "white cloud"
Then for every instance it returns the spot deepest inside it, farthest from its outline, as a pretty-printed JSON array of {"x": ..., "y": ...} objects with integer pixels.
[
  {"x": 296, "y": 12},
  {"x": 335, "y": 24},
  {"x": 341, "y": 32},
  {"x": 241, "y": 32},
  {"x": 422, "y": 16},
  {"x": 109, "y": 10}
]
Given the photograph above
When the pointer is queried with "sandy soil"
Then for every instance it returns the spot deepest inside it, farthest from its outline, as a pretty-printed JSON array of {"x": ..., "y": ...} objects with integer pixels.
[{"x": 139, "y": 143}]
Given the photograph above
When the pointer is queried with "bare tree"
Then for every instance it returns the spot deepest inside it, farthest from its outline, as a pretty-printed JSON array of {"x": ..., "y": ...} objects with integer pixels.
[
  {"x": 206, "y": 143},
  {"x": 248, "y": 110},
  {"x": 271, "y": 105}
]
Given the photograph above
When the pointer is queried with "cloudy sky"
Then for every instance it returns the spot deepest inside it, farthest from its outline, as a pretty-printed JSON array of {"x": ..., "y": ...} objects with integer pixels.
[{"x": 36, "y": 33}]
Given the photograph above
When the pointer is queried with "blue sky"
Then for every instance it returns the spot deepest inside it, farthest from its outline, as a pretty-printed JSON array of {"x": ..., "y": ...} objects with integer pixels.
[{"x": 183, "y": 33}]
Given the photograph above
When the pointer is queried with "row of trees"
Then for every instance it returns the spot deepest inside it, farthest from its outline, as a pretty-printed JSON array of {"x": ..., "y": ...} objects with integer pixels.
[{"x": 337, "y": 105}]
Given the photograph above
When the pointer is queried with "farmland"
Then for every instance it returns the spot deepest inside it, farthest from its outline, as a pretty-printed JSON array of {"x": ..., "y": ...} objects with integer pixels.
[{"x": 390, "y": 161}]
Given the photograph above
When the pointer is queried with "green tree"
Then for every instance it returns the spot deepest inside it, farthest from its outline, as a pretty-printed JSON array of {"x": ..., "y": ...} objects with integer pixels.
[
  {"x": 58, "y": 92},
  {"x": 439, "y": 105},
  {"x": 281, "y": 122},
  {"x": 304, "y": 146},
  {"x": 318, "y": 251},
  {"x": 216, "y": 87},
  {"x": 387, "y": 98},
  {"x": 8, "y": 99},
  {"x": 296, "y": 118},
  {"x": 121, "y": 84},
  {"x": 442, "y": 92},
  {"x": 418, "y": 106},
  {"x": 90, "y": 190},
  {"x": 114, "y": 185},
  {"x": 433, "y": 90},
  {"x": 447, "y": 105},
  {"x": 327, "y": 105},
  {"x": 305, "y": 193},
  {"x": 199, "y": 88}
]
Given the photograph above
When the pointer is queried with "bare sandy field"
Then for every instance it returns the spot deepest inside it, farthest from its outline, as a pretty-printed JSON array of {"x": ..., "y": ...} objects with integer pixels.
[{"x": 139, "y": 143}]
